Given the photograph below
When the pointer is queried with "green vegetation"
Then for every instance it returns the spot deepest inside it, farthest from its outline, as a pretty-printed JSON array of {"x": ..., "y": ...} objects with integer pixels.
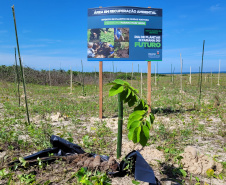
[
  {"x": 140, "y": 120},
  {"x": 179, "y": 121}
]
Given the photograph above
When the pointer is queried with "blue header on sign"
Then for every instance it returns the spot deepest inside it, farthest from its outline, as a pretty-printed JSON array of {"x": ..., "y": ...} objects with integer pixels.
[
  {"x": 124, "y": 33},
  {"x": 125, "y": 10}
]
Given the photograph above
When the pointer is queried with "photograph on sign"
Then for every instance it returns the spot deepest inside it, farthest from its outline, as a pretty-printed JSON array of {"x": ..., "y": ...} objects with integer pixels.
[{"x": 124, "y": 33}]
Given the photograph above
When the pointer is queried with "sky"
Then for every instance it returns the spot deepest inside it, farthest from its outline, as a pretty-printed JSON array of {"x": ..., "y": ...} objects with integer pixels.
[{"x": 53, "y": 34}]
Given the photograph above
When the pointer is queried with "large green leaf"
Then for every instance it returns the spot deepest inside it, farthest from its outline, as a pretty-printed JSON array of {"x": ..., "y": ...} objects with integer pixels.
[
  {"x": 130, "y": 134},
  {"x": 128, "y": 97},
  {"x": 143, "y": 139},
  {"x": 137, "y": 112},
  {"x": 112, "y": 83},
  {"x": 132, "y": 101},
  {"x": 136, "y": 135},
  {"x": 140, "y": 106},
  {"x": 148, "y": 124},
  {"x": 116, "y": 89},
  {"x": 135, "y": 124},
  {"x": 152, "y": 118},
  {"x": 124, "y": 94},
  {"x": 146, "y": 131},
  {"x": 128, "y": 93},
  {"x": 136, "y": 117},
  {"x": 118, "y": 81}
]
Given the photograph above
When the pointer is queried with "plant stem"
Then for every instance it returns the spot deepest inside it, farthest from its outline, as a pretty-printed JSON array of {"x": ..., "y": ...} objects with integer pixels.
[{"x": 21, "y": 67}]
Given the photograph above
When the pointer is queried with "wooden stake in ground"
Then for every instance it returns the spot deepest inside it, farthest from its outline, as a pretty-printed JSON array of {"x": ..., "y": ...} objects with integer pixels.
[
  {"x": 149, "y": 87},
  {"x": 49, "y": 77},
  {"x": 83, "y": 92},
  {"x": 190, "y": 75},
  {"x": 18, "y": 78},
  {"x": 21, "y": 67},
  {"x": 71, "y": 80},
  {"x": 155, "y": 74},
  {"x": 171, "y": 74},
  {"x": 181, "y": 74},
  {"x": 211, "y": 78},
  {"x": 100, "y": 90},
  {"x": 199, "y": 77},
  {"x": 219, "y": 72},
  {"x": 95, "y": 79}
]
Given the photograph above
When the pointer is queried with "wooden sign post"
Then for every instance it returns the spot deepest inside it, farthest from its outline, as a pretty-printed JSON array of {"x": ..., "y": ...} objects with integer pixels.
[
  {"x": 149, "y": 86},
  {"x": 100, "y": 89}
]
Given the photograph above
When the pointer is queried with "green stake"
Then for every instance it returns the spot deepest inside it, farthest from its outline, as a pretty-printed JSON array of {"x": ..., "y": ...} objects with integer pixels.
[
  {"x": 18, "y": 78},
  {"x": 21, "y": 67},
  {"x": 120, "y": 122},
  {"x": 200, "y": 92}
]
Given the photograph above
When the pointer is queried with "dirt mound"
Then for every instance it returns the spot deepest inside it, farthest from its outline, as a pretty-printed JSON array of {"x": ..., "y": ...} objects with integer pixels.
[
  {"x": 151, "y": 155},
  {"x": 92, "y": 163},
  {"x": 198, "y": 164}
]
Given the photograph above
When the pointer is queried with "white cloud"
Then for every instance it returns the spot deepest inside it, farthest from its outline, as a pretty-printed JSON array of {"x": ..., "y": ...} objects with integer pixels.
[{"x": 215, "y": 8}]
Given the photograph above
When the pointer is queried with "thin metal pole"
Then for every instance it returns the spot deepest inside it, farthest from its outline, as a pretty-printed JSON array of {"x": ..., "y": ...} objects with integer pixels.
[
  {"x": 149, "y": 87},
  {"x": 100, "y": 89},
  {"x": 120, "y": 122},
  {"x": 21, "y": 67}
]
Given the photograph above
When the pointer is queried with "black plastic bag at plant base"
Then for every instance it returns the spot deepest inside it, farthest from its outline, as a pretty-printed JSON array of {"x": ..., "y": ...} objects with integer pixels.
[
  {"x": 61, "y": 147},
  {"x": 141, "y": 169}
]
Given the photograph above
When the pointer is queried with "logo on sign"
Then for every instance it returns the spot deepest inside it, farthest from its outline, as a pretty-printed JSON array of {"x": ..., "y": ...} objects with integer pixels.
[{"x": 157, "y": 52}]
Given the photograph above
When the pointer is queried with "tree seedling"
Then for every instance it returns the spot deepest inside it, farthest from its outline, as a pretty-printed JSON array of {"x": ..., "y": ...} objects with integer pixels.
[{"x": 140, "y": 120}]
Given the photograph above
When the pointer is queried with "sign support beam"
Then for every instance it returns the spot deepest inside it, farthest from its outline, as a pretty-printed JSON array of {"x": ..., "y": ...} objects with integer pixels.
[
  {"x": 149, "y": 87},
  {"x": 100, "y": 89}
]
